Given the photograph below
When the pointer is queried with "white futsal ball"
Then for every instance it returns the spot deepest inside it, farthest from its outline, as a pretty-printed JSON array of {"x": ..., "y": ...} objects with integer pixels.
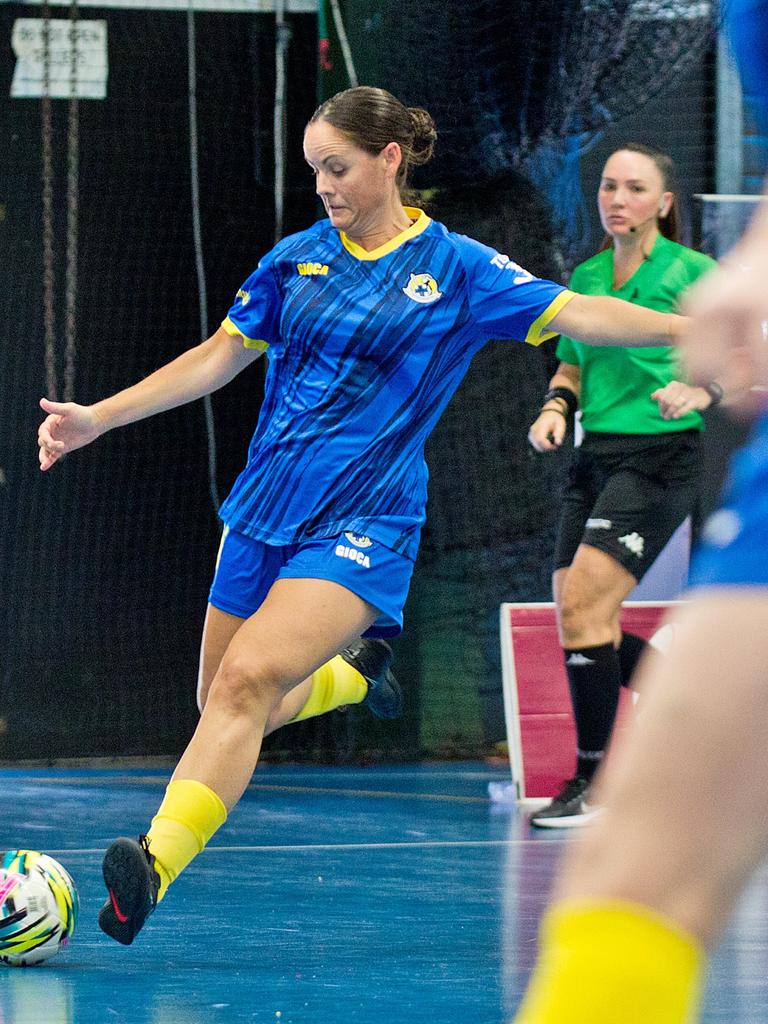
[{"x": 38, "y": 907}]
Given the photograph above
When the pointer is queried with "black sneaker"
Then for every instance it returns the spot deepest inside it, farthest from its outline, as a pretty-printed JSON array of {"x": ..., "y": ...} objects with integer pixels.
[
  {"x": 132, "y": 884},
  {"x": 372, "y": 659},
  {"x": 569, "y": 809}
]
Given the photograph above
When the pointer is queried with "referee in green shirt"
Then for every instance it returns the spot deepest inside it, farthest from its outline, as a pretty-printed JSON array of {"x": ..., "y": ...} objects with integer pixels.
[{"x": 634, "y": 479}]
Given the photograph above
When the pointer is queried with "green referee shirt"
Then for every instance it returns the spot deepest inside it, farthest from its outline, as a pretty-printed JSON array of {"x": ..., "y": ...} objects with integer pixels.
[{"x": 616, "y": 383}]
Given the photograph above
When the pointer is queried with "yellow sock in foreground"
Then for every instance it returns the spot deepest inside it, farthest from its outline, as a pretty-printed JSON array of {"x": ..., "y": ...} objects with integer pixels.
[
  {"x": 187, "y": 818},
  {"x": 610, "y": 962},
  {"x": 335, "y": 683}
]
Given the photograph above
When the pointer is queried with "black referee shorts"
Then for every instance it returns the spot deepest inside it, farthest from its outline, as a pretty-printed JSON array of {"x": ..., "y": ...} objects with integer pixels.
[{"x": 627, "y": 494}]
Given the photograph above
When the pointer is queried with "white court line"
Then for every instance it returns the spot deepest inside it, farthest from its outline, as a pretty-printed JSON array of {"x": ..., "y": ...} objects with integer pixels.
[
  {"x": 223, "y": 6},
  {"x": 334, "y": 846},
  {"x": 152, "y": 773},
  {"x": 258, "y": 787}
]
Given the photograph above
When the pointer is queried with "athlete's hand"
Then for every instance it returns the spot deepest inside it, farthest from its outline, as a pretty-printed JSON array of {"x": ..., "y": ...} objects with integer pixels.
[
  {"x": 547, "y": 431},
  {"x": 677, "y": 399},
  {"x": 66, "y": 427}
]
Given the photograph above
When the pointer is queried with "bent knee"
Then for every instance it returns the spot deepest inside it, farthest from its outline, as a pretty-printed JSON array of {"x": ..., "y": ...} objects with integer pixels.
[
  {"x": 244, "y": 683},
  {"x": 579, "y": 609},
  {"x": 587, "y": 624}
]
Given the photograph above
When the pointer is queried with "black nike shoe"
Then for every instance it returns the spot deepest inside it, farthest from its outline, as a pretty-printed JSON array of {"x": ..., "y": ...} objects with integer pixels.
[
  {"x": 569, "y": 809},
  {"x": 373, "y": 660},
  {"x": 132, "y": 884}
]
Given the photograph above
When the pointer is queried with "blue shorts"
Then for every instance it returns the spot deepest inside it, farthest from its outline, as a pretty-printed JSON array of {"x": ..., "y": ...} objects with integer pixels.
[
  {"x": 734, "y": 543},
  {"x": 247, "y": 568}
]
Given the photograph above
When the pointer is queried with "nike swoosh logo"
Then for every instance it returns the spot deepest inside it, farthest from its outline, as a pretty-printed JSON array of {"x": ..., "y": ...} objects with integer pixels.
[{"x": 122, "y": 918}]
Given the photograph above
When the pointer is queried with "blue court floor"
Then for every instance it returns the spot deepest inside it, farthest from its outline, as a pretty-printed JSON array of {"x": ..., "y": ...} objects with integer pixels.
[{"x": 393, "y": 895}]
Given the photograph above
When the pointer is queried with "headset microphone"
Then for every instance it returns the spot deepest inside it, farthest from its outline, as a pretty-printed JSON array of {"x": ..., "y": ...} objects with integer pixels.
[{"x": 633, "y": 227}]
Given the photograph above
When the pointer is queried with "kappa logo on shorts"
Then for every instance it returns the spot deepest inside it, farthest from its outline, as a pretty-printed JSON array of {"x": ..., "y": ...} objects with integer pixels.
[
  {"x": 422, "y": 288},
  {"x": 599, "y": 524},
  {"x": 358, "y": 539},
  {"x": 633, "y": 542}
]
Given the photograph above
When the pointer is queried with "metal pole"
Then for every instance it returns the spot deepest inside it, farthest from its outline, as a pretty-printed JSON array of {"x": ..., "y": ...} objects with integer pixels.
[
  {"x": 197, "y": 237},
  {"x": 49, "y": 267},
  {"x": 729, "y": 142},
  {"x": 282, "y": 42},
  {"x": 73, "y": 216}
]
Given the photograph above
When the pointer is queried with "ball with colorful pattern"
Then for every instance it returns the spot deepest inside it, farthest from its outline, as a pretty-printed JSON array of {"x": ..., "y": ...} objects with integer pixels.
[{"x": 39, "y": 905}]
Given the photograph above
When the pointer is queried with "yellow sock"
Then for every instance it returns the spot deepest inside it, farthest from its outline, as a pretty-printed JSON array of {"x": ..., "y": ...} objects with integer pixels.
[
  {"x": 187, "y": 818},
  {"x": 333, "y": 684},
  {"x": 610, "y": 962}
]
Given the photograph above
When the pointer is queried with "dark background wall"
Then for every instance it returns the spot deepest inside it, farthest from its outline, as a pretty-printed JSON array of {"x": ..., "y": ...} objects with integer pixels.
[{"x": 105, "y": 561}]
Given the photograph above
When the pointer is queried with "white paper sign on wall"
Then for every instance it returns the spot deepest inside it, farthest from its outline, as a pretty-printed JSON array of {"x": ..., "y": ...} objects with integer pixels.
[{"x": 90, "y": 43}]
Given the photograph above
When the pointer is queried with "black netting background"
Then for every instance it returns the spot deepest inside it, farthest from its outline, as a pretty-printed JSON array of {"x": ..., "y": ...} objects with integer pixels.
[
  {"x": 105, "y": 561},
  {"x": 502, "y": 79}
]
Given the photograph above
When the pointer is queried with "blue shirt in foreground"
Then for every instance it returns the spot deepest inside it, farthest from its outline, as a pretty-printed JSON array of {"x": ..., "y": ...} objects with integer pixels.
[
  {"x": 365, "y": 351},
  {"x": 747, "y": 25},
  {"x": 734, "y": 546}
]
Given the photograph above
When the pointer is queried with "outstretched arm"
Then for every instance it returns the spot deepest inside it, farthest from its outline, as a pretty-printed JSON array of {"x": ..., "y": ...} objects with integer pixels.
[
  {"x": 602, "y": 320},
  {"x": 197, "y": 372}
]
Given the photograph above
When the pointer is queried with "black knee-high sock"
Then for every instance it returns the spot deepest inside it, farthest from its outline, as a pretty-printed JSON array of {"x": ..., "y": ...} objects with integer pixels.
[
  {"x": 630, "y": 649},
  {"x": 594, "y": 679}
]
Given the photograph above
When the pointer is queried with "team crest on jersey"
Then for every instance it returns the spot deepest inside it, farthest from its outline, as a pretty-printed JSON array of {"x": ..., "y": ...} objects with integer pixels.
[
  {"x": 358, "y": 540},
  {"x": 244, "y": 296},
  {"x": 423, "y": 288}
]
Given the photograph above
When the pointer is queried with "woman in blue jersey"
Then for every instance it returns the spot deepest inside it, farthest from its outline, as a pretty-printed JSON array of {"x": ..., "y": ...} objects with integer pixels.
[
  {"x": 651, "y": 884},
  {"x": 635, "y": 476},
  {"x": 369, "y": 318}
]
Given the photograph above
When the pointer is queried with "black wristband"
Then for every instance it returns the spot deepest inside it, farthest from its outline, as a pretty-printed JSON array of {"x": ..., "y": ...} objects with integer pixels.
[
  {"x": 569, "y": 397},
  {"x": 554, "y": 408},
  {"x": 715, "y": 392}
]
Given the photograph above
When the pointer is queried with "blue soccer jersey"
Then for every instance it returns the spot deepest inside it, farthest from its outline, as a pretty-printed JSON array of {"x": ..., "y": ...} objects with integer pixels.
[{"x": 365, "y": 349}]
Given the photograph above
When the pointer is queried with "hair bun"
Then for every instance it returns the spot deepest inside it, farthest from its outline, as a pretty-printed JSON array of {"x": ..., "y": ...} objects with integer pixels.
[{"x": 424, "y": 134}]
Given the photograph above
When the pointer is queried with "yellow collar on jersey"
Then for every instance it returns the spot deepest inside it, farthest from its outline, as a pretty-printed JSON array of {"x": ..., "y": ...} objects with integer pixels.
[{"x": 420, "y": 223}]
